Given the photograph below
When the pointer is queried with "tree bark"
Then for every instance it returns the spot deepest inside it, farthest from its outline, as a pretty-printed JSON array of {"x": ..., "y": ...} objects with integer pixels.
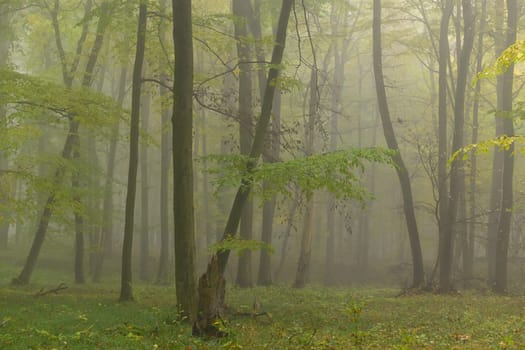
[
  {"x": 418, "y": 275},
  {"x": 497, "y": 162},
  {"x": 182, "y": 122},
  {"x": 241, "y": 11},
  {"x": 505, "y": 214},
  {"x": 302, "y": 276},
  {"x": 165, "y": 161},
  {"x": 126, "y": 291},
  {"x": 144, "y": 194}
]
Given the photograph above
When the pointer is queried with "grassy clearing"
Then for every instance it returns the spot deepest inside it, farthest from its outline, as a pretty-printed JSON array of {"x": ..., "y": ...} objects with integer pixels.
[{"x": 89, "y": 317}]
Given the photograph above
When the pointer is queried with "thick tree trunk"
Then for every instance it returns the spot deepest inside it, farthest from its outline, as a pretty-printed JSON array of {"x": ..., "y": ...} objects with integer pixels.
[
  {"x": 418, "y": 275},
  {"x": 126, "y": 291},
  {"x": 207, "y": 312},
  {"x": 182, "y": 126},
  {"x": 505, "y": 112}
]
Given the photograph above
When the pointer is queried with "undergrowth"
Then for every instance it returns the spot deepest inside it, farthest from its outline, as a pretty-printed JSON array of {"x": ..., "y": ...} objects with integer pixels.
[{"x": 89, "y": 317}]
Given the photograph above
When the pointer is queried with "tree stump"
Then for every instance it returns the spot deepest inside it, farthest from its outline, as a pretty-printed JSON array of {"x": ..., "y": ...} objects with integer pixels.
[{"x": 211, "y": 291}]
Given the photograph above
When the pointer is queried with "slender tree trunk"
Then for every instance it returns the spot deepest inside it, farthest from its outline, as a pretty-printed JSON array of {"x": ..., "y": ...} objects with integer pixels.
[
  {"x": 447, "y": 252},
  {"x": 79, "y": 222},
  {"x": 126, "y": 291},
  {"x": 211, "y": 289},
  {"x": 336, "y": 105},
  {"x": 106, "y": 248},
  {"x": 468, "y": 258},
  {"x": 183, "y": 159},
  {"x": 241, "y": 11},
  {"x": 165, "y": 163},
  {"x": 497, "y": 162},
  {"x": 418, "y": 275},
  {"x": 505, "y": 214},
  {"x": 265, "y": 264},
  {"x": 302, "y": 276},
  {"x": 4, "y": 53},
  {"x": 287, "y": 234},
  {"x": 445, "y": 238},
  {"x": 144, "y": 194}
]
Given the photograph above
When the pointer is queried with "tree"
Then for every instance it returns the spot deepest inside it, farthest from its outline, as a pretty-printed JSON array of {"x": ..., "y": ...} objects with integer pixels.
[
  {"x": 418, "y": 275},
  {"x": 447, "y": 234},
  {"x": 74, "y": 124},
  {"x": 241, "y": 11},
  {"x": 505, "y": 110},
  {"x": 126, "y": 291},
  {"x": 211, "y": 287},
  {"x": 182, "y": 122}
]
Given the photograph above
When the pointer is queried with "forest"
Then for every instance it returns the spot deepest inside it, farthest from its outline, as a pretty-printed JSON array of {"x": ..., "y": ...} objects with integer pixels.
[{"x": 213, "y": 174}]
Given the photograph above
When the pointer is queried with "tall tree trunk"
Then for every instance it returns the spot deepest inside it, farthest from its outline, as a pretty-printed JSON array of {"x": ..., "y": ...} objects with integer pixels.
[
  {"x": 126, "y": 291},
  {"x": 182, "y": 121},
  {"x": 241, "y": 11},
  {"x": 468, "y": 257},
  {"x": 505, "y": 214},
  {"x": 144, "y": 194},
  {"x": 497, "y": 162},
  {"x": 302, "y": 276},
  {"x": 106, "y": 248},
  {"x": 418, "y": 275},
  {"x": 336, "y": 106},
  {"x": 445, "y": 238},
  {"x": 4, "y": 52},
  {"x": 79, "y": 221},
  {"x": 265, "y": 264},
  {"x": 287, "y": 234},
  {"x": 71, "y": 139},
  {"x": 211, "y": 289},
  {"x": 447, "y": 252},
  {"x": 165, "y": 163}
]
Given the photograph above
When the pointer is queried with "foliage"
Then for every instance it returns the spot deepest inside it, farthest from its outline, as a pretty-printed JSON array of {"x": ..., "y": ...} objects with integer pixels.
[
  {"x": 515, "y": 53},
  {"x": 333, "y": 171},
  {"x": 33, "y": 106},
  {"x": 29, "y": 97},
  {"x": 503, "y": 143},
  {"x": 235, "y": 243}
]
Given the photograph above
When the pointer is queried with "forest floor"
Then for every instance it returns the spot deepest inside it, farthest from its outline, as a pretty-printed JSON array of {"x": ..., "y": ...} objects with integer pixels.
[{"x": 89, "y": 317}]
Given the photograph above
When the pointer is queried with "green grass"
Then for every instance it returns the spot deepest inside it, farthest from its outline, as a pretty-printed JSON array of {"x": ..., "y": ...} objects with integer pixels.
[{"x": 89, "y": 317}]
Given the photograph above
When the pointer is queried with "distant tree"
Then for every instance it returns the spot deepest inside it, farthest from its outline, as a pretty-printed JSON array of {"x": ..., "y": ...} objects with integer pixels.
[
  {"x": 418, "y": 275},
  {"x": 126, "y": 291},
  {"x": 74, "y": 124}
]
